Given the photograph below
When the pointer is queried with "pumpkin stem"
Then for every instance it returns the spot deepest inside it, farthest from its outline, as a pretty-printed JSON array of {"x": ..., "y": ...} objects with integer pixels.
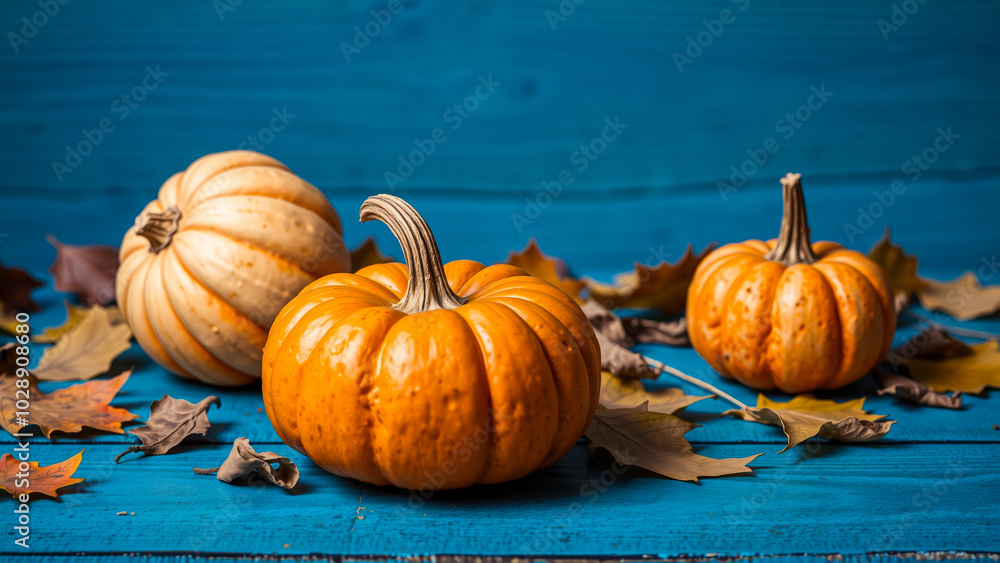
[
  {"x": 158, "y": 228},
  {"x": 428, "y": 287},
  {"x": 794, "y": 246}
]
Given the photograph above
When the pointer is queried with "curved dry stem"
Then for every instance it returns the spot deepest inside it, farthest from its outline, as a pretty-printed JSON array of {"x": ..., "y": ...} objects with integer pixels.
[{"x": 427, "y": 288}]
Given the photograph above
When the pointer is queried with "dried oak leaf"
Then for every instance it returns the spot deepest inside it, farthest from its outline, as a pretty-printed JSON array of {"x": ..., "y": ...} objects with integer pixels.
[
  {"x": 806, "y": 416},
  {"x": 963, "y": 298},
  {"x": 552, "y": 270},
  {"x": 244, "y": 460},
  {"x": 907, "y": 389},
  {"x": 368, "y": 254},
  {"x": 15, "y": 290},
  {"x": 75, "y": 314},
  {"x": 66, "y": 410},
  {"x": 655, "y": 441},
  {"x": 87, "y": 349},
  {"x": 43, "y": 480},
  {"x": 619, "y": 393},
  {"x": 88, "y": 271},
  {"x": 170, "y": 421},
  {"x": 971, "y": 373},
  {"x": 663, "y": 287},
  {"x": 900, "y": 267}
]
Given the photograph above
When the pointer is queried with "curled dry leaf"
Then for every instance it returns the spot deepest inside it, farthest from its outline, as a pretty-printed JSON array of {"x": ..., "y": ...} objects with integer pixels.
[
  {"x": 616, "y": 336},
  {"x": 655, "y": 441},
  {"x": 88, "y": 271},
  {"x": 663, "y": 287},
  {"x": 15, "y": 290},
  {"x": 806, "y": 416},
  {"x": 907, "y": 389},
  {"x": 243, "y": 460},
  {"x": 44, "y": 480},
  {"x": 623, "y": 362},
  {"x": 552, "y": 270},
  {"x": 650, "y": 331},
  {"x": 170, "y": 421},
  {"x": 66, "y": 410},
  {"x": 629, "y": 393},
  {"x": 87, "y": 349},
  {"x": 368, "y": 253}
]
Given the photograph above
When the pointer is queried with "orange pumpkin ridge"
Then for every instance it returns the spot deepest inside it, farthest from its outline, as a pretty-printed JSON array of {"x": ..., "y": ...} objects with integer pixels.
[
  {"x": 790, "y": 314},
  {"x": 430, "y": 376}
]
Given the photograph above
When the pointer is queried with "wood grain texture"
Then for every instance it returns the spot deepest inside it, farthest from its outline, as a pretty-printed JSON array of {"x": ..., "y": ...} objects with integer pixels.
[
  {"x": 225, "y": 76},
  {"x": 874, "y": 499}
]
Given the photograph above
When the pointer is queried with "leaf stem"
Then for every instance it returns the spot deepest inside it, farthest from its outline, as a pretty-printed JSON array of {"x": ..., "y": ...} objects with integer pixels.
[
  {"x": 971, "y": 333},
  {"x": 694, "y": 381}
]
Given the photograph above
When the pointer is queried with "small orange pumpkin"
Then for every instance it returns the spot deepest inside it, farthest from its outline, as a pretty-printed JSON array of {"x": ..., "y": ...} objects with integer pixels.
[
  {"x": 430, "y": 376},
  {"x": 789, "y": 314}
]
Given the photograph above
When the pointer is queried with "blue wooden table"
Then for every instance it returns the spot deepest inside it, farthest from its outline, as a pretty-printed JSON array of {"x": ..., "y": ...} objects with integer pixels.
[{"x": 708, "y": 104}]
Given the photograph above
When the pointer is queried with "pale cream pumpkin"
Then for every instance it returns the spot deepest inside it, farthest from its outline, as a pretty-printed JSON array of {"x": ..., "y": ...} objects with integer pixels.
[{"x": 210, "y": 263}]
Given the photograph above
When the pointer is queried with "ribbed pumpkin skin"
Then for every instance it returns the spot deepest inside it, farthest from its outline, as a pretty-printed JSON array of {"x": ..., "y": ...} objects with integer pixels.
[
  {"x": 250, "y": 236},
  {"x": 798, "y": 328},
  {"x": 490, "y": 391}
]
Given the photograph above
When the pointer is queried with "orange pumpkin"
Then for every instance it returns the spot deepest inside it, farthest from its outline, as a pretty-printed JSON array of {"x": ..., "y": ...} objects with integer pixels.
[
  {"x": 430, "y": 376},
  {"x": 790, "y": 314},
  {"x": 211, "y": 261}
]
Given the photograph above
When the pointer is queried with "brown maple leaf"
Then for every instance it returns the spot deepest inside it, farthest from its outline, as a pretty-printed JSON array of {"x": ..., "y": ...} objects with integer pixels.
[
  {"x": 65, "y": 410},
  {"x": 663, "y": 287},
  {"x": 15, "y": 290},
  {"x": 367, "y": 254},
  {"x": 553, "y": 270},
  {"x": 655, "y": 441},
  {"x": 88, "y": 271},
  {"x": 900, "y": 267},
  {"x": 43, "y": 480}
]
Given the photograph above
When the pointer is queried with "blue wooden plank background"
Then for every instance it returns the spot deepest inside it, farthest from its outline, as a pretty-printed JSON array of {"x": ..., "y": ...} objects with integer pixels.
[
  {"x": 856, "y": 95},
  {"x": 225, "y": 67}
]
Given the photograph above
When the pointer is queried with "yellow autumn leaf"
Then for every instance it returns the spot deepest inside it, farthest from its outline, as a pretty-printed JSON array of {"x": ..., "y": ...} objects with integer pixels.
[
  {"x": 969, "y": 374},
  {"x": 553, "y": 270},
  {"x": 87, "y": 349},
  {"x": 805, "y": 416},
  {"x": 619, "y": 393},
  {"x": 662, "y": 287},
  {"x": 900, "y": 267},
  {"x": 964, "y": 298}
]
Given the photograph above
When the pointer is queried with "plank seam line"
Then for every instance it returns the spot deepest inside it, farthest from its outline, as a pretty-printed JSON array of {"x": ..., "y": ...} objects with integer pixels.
[{"x": 461, "y": 558}]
